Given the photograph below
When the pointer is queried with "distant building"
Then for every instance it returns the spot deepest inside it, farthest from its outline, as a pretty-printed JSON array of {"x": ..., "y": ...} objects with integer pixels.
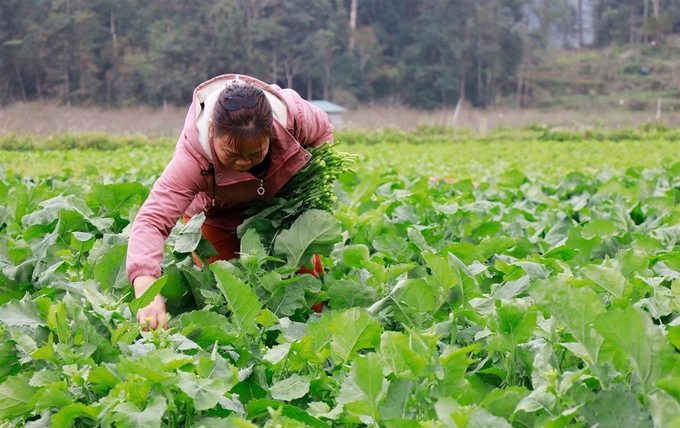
[
  {"x": 333, "y": 111},
  {"x": 564, "y": 33}
]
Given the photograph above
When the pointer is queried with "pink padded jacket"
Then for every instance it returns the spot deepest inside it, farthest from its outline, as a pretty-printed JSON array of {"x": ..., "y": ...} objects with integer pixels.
[{"x": 186, "y": 187}]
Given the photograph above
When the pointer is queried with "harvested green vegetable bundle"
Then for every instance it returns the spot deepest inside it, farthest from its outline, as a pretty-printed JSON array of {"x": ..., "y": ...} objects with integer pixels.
[{"x": 310, "y": 188}]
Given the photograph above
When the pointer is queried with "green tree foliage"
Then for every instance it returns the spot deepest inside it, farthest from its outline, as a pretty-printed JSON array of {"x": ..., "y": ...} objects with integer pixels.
[
  {"x": 425, "y": 53},
  {"x": 635, "y": 21}
]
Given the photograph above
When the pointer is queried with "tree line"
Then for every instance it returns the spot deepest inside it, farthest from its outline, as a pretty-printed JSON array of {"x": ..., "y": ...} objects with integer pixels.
[{"x": 421, "y": 53}]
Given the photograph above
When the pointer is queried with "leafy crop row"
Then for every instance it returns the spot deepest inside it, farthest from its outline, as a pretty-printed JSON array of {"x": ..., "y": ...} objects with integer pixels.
[
  {"x": 510, "y": 302},
  {"x": 422, "y": 135}
]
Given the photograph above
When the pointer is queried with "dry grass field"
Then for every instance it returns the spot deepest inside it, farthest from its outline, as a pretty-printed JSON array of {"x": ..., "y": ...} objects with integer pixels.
[{"x": 50, "y": 119}]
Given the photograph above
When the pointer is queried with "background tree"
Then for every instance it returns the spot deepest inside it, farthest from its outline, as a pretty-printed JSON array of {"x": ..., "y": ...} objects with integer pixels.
[{"x": 426, "y": 53}]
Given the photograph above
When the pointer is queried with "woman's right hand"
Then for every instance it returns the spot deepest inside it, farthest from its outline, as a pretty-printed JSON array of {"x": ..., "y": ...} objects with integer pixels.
[{"x": 154, "y": 314}]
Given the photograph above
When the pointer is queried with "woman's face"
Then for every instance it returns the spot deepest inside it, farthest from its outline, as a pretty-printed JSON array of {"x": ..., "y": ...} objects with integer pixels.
[{"x": 252, "y": 153}]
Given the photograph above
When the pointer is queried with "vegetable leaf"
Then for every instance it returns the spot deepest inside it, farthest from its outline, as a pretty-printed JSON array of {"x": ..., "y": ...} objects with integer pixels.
[
  {"x": 127, "y": 415},
  {"x": 315, "y": 231},
  {"x": 634, "y": 333},
  {"x": 148, "y": 296},
  {"x": 241, "y": 300}
]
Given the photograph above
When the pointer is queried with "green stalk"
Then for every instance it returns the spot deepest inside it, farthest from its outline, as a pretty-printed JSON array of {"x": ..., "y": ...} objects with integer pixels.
[{"x": 310, "y": 188}]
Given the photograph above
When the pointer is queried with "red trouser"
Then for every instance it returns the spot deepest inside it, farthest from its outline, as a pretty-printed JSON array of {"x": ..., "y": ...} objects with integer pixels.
[{"x": 228, "y": 245}]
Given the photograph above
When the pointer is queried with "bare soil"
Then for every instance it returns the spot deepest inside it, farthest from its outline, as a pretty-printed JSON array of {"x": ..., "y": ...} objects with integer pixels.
[{"x": 49, "y": 119}]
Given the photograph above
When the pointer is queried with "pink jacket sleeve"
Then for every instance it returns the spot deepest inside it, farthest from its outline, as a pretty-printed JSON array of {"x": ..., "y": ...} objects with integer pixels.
[
  {"x": 171, "y": 195},
  {"x": 313, "y": 124}
]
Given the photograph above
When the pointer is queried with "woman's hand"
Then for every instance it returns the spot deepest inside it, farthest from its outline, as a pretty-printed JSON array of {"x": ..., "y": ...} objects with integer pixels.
[{"x": 154, "y": 314}]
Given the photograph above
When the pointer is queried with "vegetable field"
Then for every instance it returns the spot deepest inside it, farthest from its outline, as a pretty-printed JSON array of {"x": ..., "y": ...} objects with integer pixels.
[{"x": 522, "y": 281}]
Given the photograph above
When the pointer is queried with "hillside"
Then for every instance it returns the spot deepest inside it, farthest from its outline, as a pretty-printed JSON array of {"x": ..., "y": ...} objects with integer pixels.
[{"x": 606, "y": 78}]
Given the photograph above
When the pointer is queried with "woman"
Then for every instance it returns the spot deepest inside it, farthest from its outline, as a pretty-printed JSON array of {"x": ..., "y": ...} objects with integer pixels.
[{"x": 242, "y": 140}]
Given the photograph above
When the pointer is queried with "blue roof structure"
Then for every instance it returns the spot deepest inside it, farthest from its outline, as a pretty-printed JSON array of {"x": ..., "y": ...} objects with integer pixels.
[{"x": 328, "y": 106}]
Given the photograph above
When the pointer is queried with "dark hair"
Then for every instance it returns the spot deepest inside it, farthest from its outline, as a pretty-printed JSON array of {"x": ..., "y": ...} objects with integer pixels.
[{"x": 243, "y": 112}]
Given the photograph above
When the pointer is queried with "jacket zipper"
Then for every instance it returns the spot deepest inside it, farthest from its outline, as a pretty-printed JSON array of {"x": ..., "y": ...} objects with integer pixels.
[{"x": 211, "y": 171}]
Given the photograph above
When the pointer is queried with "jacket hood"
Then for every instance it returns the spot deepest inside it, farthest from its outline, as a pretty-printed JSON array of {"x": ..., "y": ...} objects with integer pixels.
[{"x": 204, "y": 99}]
